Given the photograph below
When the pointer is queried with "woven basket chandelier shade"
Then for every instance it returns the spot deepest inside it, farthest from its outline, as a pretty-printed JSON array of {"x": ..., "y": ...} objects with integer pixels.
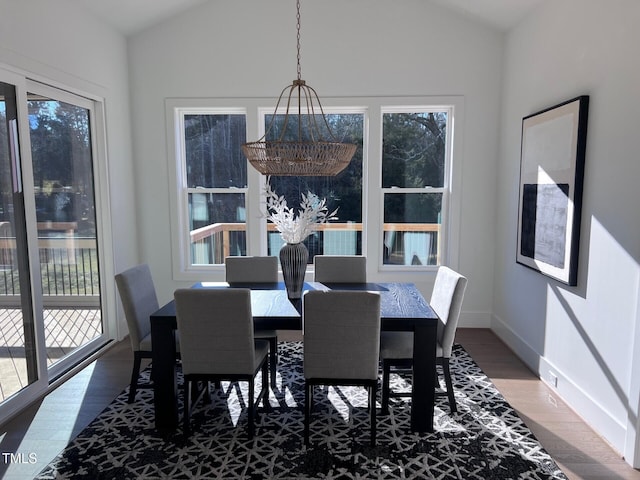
[
  {"x": 299, "y": 158},
  {"x": 313, "y": 155}
]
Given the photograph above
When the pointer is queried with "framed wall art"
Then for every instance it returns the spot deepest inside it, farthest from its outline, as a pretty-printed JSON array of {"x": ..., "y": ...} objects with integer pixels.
[{"x": 551, "y": 176}]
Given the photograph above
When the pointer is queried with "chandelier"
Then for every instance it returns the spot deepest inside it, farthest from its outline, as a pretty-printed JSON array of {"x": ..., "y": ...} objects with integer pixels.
[{"x": 312, "y": 154}]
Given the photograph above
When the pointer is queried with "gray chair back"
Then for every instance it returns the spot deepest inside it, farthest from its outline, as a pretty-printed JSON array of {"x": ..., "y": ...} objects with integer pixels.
[
  {"x": 216, "y": 331},
  {"x": 446, "y": 301},
  {"x": 251, "y": 269},
  {"x": 341, "y": 334},
  {"x": 139, "y": 300},
  {"x": 340, "y": 268}
]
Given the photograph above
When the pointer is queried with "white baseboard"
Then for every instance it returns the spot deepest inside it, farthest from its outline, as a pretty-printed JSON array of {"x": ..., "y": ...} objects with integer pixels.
[{"x": 579, "y": 400}]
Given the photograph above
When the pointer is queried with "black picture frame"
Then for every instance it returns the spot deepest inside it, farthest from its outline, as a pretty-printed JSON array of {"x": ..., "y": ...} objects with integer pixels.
[{"x": 551, "y": 182}]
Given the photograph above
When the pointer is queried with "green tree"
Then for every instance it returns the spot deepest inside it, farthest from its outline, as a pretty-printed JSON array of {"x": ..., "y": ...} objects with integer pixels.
[
  {"x": 62, "y": 163},
  {"x": 343, "y": 191}
]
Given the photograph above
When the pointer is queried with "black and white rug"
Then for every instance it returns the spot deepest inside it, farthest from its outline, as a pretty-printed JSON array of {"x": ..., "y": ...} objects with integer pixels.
[{"x": 484, "y": 440}]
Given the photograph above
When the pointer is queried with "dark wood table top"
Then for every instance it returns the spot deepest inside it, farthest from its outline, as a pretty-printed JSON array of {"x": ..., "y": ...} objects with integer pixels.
[{"x": 401, "y": 304}]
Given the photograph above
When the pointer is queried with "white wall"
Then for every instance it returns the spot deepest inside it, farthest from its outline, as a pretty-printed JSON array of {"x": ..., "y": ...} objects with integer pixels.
[
  {"x": 357, "y": 48},
  {"x": 56, "y": 43},
  {"x": 585, "y": 334}
]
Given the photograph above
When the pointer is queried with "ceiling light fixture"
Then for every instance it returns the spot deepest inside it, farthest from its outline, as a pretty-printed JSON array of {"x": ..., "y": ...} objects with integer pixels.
[{"x": 312, "y": 153}]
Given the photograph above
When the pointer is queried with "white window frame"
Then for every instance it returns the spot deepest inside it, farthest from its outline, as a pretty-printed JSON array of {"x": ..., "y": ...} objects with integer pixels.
[
  {"x": 445, "y": 190},
  {"x": 373, "y": 199},
  {"x": 179, "y": 193}
]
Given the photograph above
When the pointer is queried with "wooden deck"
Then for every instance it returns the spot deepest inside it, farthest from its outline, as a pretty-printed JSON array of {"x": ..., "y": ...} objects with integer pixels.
[{"x": 65, "y": 329}]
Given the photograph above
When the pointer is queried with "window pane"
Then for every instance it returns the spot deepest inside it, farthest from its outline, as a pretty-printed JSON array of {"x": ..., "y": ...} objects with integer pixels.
[
  {"x": 412, "y": 207},
  {"x": 217, "y": 226},
  {"x": 343, "y": 191},
  {"x": 412, "y": 228},
  {"x": 212, "y": 147},
  {"x": 413, "y": 147},
  {"x": 62, "y": 161}
]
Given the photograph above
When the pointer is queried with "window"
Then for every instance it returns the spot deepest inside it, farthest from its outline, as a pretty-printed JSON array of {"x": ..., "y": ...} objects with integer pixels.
[
  {"x": 414, "y": 185},
  {"x": 215, "y": 185},
  {"x": 397, "y": 201},
  {"x": 342, "y": 192}
]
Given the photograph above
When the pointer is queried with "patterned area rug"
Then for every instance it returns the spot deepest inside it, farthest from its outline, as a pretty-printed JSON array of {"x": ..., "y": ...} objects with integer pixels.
[{"x": 484, "y": 440}]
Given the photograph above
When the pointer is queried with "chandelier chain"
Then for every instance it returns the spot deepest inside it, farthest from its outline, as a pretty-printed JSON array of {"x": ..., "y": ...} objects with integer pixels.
[
  {"x": 298, "y": 36},
  {"x": 314, "y": 156}
]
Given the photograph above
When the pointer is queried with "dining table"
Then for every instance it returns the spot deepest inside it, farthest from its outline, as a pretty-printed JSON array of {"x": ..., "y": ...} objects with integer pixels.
[{"x": 402, "y": 308}]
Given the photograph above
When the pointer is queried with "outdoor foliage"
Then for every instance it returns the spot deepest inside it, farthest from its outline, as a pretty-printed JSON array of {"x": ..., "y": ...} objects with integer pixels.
[
  {"x": 345, "y": 189},
  {"x": 413, "y": 157},
  {"x": 62, "y": 164},
  {"x": 212, "y": 145}
]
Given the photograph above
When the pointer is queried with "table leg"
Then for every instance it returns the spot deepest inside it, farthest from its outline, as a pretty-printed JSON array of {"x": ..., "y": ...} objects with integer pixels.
[
  {"x": 164, "y": 376},
  {"x": 424, "y": 374}
]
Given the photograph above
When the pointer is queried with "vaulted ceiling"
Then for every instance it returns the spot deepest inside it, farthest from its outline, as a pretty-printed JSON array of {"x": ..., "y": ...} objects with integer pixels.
[{"x": 132, "y": 16}]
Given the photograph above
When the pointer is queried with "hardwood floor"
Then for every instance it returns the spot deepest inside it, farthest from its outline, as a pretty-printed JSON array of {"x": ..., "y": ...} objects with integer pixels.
[
  {"x": 40, "y": 432},
  {"x": 579, "y": 451},
  {"x": 46, "y": 427}
]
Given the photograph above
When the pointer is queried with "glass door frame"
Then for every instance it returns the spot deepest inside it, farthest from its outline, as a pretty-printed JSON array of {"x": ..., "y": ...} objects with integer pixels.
[
  {"x": 47, "y": 377},
  {"x": 71, "y": 359},
  {"x": 21, "y": 151}
]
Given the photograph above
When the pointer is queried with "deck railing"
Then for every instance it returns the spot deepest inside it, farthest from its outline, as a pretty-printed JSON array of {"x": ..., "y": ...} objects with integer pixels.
[
  {"x": 69, "y": 269},
  {"x": 69, "y": 265},
  {"x": 404, "y": 243}
]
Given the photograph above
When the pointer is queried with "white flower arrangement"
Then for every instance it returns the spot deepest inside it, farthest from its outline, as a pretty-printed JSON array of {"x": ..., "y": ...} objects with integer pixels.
[{"x": 295, "y": 228}]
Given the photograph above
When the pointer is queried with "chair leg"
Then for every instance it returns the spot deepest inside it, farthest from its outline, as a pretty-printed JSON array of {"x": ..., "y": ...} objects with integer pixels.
[
  {"x": 449, "y": 383},
  {"x": 186, "y": 390},
  {"x": 194, "y": 390},
  {"x": 386, "y": 372},
  {"x": 273, "y": 359},
  {"x": 308, "y": 393},
  {"x": 251, "y": 426},
  {"x": 207, "y": 392},
  {"x": 265, "y": 389},
  {"x": 372, "y": 413},
  {"x": 137, "y": 360}
]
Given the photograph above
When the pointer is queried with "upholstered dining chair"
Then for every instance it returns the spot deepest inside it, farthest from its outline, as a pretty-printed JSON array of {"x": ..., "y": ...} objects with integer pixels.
[
  {"x": 396, "y": 348},
  {"x": 248, "y": 269},
  {"x": 217, "y": 340},
  {"x": 341, "y": 345},
  {"x": 340, "y": 268},
  {"x": 139, "y": 301}
]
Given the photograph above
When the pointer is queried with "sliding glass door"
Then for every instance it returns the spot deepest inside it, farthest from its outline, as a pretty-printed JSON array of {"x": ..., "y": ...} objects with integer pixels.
[
  {"x": 62, "y": 165},
  {"x": 18, "y": 348},
  {"x": 50, "y": 301}
]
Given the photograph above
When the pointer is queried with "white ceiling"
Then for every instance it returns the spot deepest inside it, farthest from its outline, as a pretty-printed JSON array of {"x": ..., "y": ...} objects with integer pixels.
[
  {"x": 132, "y": 16},
  {"x": 503, "y": 14}
]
